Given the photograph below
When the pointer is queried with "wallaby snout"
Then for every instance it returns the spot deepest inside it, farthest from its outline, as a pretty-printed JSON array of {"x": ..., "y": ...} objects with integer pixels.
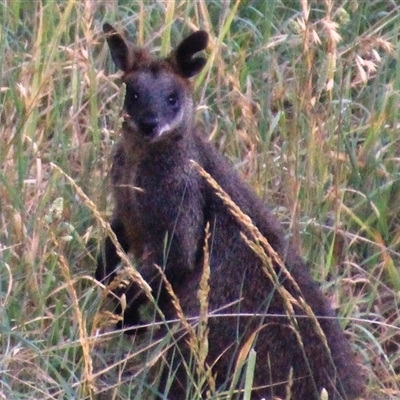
[{"x": 148, "y": 124}]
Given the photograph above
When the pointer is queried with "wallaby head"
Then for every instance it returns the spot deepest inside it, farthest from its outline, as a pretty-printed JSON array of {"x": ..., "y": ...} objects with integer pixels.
[{"x": 158, "y": 100}]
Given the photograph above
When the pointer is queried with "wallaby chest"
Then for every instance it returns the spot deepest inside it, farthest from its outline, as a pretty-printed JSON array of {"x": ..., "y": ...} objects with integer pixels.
[{"x": 150, "y": 188}]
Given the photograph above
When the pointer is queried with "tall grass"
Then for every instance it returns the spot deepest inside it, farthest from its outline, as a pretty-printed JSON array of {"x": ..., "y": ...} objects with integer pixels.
[{"x": 303, "y": 97}]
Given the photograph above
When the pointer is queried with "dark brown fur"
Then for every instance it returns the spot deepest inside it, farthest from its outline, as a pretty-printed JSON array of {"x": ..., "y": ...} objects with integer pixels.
[{"x": 160, "y": 198}]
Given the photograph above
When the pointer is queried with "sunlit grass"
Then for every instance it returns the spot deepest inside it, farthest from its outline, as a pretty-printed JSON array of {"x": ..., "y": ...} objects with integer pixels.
[{"x": 302, "y": 96}]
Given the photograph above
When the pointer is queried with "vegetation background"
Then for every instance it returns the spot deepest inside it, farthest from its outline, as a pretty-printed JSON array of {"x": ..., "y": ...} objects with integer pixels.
[{"x": 303, "y": 96}]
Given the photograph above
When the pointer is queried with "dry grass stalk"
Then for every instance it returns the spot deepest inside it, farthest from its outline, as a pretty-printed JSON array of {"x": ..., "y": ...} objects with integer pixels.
[
  {"x": 197, "y": 342},
  {"x": 203, "y": 293},
  {"x": 86, "y": 342},
  {"x": 131, "y": 272},
  {"x": 259, "y": 244}
]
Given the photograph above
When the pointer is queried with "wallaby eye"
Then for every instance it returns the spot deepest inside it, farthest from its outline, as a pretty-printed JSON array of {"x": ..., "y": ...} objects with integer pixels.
[
  {"x": 131, "y": 99},
  {"x": 132, "y": 95},
  {"x": 173, "y": 99}
]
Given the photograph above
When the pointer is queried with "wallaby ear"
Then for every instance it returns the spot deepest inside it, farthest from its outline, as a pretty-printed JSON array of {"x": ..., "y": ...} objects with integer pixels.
[
  {"x": 121, "y": 51},
  {"x": 185, "y": 51}
]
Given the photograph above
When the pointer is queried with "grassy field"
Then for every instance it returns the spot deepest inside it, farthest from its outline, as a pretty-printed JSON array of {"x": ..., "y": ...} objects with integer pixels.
[{"x": 303, "y": 97}]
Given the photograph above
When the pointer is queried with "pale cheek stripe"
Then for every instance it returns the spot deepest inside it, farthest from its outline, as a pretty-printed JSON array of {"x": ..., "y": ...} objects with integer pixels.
[{"x": 168, "y": 127}]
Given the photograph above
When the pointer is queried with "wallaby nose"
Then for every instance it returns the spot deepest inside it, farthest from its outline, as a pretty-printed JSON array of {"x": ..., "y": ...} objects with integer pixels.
[{"x": 148, "y": 124}]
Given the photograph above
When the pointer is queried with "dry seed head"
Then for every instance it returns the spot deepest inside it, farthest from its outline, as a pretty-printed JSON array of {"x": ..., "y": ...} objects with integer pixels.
[{"x": 257, "y": 239}]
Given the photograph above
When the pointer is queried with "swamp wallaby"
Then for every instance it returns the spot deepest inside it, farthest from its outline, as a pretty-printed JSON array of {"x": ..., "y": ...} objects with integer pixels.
[{"x": 162, "y": 206}]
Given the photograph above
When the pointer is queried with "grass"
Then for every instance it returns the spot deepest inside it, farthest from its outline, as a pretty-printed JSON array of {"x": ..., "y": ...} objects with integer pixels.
[{"x": 302, "y": 96}]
